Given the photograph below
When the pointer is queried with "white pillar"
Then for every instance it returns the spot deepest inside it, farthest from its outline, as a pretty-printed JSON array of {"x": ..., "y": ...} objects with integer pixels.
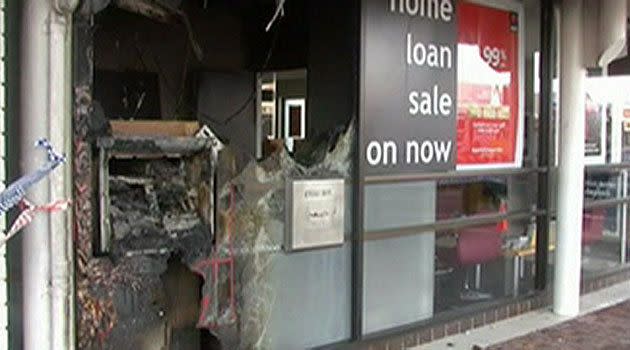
[
  {"x": 46, "y": 112},
  {"x": 60, "y": 135},
  {"x": 567, "y": 266},
  {"x": 33, "y": 125}
]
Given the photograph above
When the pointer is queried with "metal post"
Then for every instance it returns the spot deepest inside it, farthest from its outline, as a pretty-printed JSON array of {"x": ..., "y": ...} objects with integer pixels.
[
  {"x": 516, "y": 261},
  {"x": 623, "y": 217},
  {"x": 478, "y": 277},
  {"x": 358, "y": 234},
  {"x": 566, "y": 298},
  {"x": 545, "y": 140}
]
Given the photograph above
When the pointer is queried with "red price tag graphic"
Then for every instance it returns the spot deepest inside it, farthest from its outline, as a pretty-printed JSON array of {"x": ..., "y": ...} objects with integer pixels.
[{"x": 497, "y": 58}]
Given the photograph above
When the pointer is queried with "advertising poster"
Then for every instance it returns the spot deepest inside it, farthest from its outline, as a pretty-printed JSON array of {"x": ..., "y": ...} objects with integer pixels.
[
  {"x": 489, "y": 118},
  {"x": 625, "y": 132},
  {"x": 594, "y": 131},
  {"x": 597, "y": 98},
  {"x": 408, "y": 87}
]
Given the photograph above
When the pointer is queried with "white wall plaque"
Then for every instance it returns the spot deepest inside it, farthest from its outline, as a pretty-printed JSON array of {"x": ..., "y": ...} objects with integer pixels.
[{"x": 315, "y": 213}]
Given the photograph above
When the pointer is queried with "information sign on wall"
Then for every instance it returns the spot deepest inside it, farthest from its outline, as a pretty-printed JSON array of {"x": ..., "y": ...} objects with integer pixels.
[
  {"x": 408, "y": 90},
  {"x": 315, "y": 213}
]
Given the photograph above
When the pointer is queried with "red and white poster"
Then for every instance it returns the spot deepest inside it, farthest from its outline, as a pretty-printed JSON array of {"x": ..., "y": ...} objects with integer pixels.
[{"x": 489, "y": 117}]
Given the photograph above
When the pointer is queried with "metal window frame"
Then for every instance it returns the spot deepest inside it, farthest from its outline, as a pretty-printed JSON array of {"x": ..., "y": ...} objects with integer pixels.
[
  {"x": 545, "y": 141},
  {"x": 356, "y": 279},
  {"x": 4, "y": 306}
]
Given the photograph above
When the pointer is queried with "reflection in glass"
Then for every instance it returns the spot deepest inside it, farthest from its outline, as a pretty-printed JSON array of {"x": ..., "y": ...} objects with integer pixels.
[
  {"x": 459, "y": 198},
  {"x": 601, "y": 240},
  {"x": 603, "y": 233}
]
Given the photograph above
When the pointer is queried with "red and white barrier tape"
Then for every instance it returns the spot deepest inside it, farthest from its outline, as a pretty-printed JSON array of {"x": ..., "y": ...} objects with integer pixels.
[{"x": 28, "y": 213}]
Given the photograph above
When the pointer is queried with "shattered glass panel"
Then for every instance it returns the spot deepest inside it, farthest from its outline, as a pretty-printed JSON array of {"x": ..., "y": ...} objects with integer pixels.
[{"x": 307, "y": 292}]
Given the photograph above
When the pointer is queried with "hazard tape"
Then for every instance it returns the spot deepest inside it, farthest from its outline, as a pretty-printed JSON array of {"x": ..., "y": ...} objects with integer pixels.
[{"x": 28, "y": 214}]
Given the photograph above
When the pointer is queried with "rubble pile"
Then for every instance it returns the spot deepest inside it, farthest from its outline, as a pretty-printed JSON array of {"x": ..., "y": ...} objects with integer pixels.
[
  {"x": 160, "y": 209},
  {"x": 157, "y": 213}
]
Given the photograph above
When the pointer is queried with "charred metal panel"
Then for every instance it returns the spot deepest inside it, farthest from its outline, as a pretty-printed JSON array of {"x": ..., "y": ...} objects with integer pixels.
[{"x": 150, "y": 190}]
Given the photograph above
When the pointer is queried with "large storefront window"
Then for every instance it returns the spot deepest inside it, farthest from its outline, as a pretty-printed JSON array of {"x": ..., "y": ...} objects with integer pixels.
[
  {"x": 604, "y": 224},
  {"x": 484, "y": 262},
  {"x": 452, "y": 236},
  {"x": 604, "y": 228}
]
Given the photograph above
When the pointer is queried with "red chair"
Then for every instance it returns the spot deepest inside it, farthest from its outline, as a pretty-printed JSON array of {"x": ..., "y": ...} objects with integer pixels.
[
  {"x": 478, "y": 245},
  {"x": 474, "y": 246}
]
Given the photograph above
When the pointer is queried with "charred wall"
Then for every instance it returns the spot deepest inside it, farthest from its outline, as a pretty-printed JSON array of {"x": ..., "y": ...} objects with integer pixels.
[
  {"x": 121, "y": 293},
  {"x": 233, "y": 41},
  {"x": 332, "y": 64},
  {"x": 127, "y": 42}
]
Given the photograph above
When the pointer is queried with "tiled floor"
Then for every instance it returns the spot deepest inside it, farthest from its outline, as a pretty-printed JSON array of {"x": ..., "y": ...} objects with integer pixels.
[{"x": 593, "y": 329}]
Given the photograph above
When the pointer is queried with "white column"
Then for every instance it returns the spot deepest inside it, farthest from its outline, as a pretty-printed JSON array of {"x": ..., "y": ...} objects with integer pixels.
[
  {"x": 36, "y": 256},
  {"x": 60, "y": 135},
  {"x": 567, "y": 266},
  {"x": 46, "y": 113}
]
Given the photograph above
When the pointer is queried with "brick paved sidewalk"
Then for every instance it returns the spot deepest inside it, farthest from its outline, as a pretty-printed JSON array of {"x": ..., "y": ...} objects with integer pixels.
[{"x": 605, "y": 329}]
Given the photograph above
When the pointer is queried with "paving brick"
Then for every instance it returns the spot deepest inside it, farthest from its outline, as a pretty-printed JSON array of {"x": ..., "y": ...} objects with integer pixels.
[
  {"x": 502, "y": 313},
  {"x": 465, "y": 325},
  {"x": 397, "y": 343},
  {"x": 478, "y": 321},
  {"x": 424, "y": 336},
  {"x": 490, "y": 316},
  {"x": 411, "y": 340},
  {"x": 438, "y": 332},
  {"x": 452, "y": 328},
  {"x": 605, "y": 329}
]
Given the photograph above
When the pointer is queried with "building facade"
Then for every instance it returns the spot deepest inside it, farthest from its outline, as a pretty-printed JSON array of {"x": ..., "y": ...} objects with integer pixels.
[{"x": 307, "y": 174}]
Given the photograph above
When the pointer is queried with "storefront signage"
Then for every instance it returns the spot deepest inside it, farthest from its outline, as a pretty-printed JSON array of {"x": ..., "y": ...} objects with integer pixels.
[
  {"x": 594, "y": 126},
  {"x": 489, "y": 118},
  {"x": 315, "y": 213},
  {"x": 601, "y": 187},
  {"x": 409, "y": 102}
]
